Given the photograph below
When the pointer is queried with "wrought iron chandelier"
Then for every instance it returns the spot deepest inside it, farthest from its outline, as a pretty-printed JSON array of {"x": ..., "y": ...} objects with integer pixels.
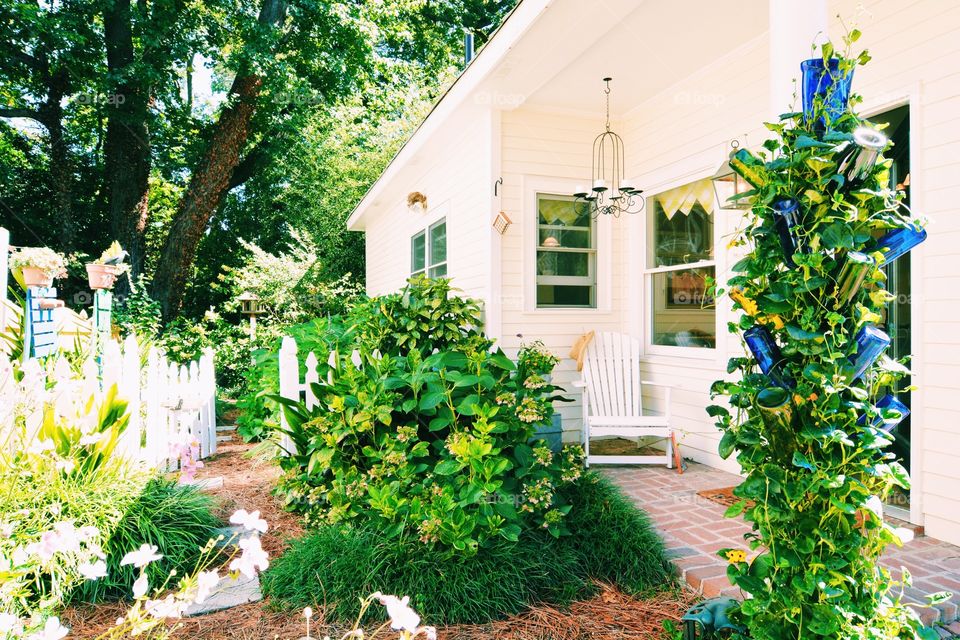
[{"x": 610, "y": 193}]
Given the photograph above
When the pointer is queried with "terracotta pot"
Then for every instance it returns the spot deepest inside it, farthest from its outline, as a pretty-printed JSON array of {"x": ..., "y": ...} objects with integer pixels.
[
  {"x": 34, "y": 277},
  {"x": 102, "y": 276}
]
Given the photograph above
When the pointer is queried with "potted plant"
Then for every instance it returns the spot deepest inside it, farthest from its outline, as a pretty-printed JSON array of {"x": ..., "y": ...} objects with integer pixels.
[
  {"x": 37, "y": 266},
  {"x": 102, "y": 273}
]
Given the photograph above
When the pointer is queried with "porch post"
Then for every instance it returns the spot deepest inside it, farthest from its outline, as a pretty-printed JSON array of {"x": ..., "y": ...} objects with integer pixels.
[{"x": 794, "y": 28}]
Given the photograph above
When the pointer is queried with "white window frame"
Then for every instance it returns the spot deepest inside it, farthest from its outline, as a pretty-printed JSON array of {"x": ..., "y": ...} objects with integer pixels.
[
  {"x": 532, "y": 188},
  {"x": 429, "y": 266},
  {"x": 589, "y": 280},
  {"x": 646, "y": 257}
]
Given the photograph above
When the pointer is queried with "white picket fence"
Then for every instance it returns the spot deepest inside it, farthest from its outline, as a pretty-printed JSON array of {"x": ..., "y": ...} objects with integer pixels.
[
  {"x": 291, "y": 386},
  {"x": 170, "y": 405}
]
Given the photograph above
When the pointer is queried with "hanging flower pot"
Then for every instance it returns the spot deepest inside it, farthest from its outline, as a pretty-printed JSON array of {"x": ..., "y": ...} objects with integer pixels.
[
  {"x": 102, "y": 276},
  {"x": 824, "y": 81}
]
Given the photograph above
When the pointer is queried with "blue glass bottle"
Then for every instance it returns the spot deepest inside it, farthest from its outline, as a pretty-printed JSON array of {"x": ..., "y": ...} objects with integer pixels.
[
  {"x": 823, "y": 80},
  {"x": 786, "y": 220},
  {"x": 888, "y": 402},
  {"x": 897, "y": 242},
  {"x": 871, "y": 343},
  {"x": 767, "y": 354}
]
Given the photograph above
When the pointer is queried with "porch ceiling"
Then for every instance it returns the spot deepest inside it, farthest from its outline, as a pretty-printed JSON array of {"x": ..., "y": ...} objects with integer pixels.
[{"x": 646, "y": 47}]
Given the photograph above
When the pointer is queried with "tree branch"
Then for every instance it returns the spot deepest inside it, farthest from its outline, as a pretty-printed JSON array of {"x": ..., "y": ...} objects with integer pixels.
[
  {"x": 256, "y": 158},
  {"x": 33, "y": 114}
]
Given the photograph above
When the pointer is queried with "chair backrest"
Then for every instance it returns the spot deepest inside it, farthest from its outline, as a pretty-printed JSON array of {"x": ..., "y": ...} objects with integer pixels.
[{"x": 611, "y": 373}]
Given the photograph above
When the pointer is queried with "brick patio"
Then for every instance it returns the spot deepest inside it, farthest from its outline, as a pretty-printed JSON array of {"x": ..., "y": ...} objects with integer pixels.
[{"x": 694, "y": 529}]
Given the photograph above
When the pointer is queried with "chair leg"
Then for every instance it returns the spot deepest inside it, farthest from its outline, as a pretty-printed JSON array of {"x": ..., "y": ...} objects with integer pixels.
[
  {"x": 586, "y": 446},
  {"x": 670, "y": 452}
]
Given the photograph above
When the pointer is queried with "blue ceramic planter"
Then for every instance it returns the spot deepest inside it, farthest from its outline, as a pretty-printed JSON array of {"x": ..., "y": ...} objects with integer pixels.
[{"x": 825, "y": 81}]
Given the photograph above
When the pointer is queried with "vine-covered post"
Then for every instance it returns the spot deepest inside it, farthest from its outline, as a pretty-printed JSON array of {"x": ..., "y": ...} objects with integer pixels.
[
  {"x": 102, "y": 318},
  {"x": 40, "y": 328},
  {"x": 811, "y": 412}
]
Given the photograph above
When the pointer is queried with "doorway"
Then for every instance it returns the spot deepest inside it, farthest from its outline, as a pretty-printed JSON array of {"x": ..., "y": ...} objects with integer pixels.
[{"x": 897, "y": 317}]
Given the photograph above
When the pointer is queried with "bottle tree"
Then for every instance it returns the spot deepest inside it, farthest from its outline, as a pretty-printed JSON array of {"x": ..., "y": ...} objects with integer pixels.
[{"x": 810, "y": 414}]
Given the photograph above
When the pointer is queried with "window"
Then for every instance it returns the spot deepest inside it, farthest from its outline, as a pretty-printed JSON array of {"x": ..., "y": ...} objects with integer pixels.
[
  {"x": 428, "y": 251},
  {"x": 680, "y": 259},
  {"x": 566, "y": 254}
]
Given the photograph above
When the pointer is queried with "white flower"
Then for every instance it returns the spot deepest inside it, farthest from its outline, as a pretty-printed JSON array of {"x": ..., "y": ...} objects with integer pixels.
[
  {"x": 143, "y": 556},
  {"x": 252, "y": 558},
  {"x": 92, "y": 438},
  {"x": 402, "y": 617},
  {"x": 10, "y": 624},
  {"x": 206, "y": 581},
  {"x": 250, "y": 521},
  {"x": 88, "y": 533},
  {"x": 68, "y": 537},
  {"x": 67, "y": 466},
  {"x": 308, "y": 613},
  {"x": 141, "y": 586},
  {"x": 20, "y": 556},
  {"x": 52, "y": 630},
  {"x": 7, "y": 529},
  {"x": 169, "y": 607},
  {"x": 429, "y": 632},
  {"x": 40, "y": 446},
  {"x": 93, "y": 571}
]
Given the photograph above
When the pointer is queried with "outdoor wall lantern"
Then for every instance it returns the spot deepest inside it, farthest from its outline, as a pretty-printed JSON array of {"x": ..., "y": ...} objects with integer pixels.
[
  {"x": 610, "y": 193},
  {"x": 729, "y": 184}
]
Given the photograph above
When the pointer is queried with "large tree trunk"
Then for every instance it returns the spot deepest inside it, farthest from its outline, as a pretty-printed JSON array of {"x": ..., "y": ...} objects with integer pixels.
[
  {"x": 61, "y": 169},
  {"x": 127, "y": 144},
  {"x": 210, "y": 182}
]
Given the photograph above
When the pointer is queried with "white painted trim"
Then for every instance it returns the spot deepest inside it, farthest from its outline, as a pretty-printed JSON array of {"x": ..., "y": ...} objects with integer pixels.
[
  {"x": 530, "y": 186},
  {"x": 911, "y": 95},
  {"x": 524, "y": 16},
  {"x": 494, "y": 303}
]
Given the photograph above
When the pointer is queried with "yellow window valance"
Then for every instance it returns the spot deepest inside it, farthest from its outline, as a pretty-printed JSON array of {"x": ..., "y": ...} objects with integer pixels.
[{"x": 682, "y": 199}]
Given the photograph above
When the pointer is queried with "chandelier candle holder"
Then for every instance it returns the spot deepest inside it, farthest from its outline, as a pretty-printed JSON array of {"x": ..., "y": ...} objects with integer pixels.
[
  {"x": 895, "y": 243},
  {"x": 858, "y": 156},
  {"x": 786, "y": 213},
  {"x": 610, "y": 193},
  {"x": 871, "y": 343},
  {"x": 767, "y": 354}
]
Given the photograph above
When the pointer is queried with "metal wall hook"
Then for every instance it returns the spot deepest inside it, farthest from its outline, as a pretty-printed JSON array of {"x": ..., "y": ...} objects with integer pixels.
[{"x": 496, "y": 186}]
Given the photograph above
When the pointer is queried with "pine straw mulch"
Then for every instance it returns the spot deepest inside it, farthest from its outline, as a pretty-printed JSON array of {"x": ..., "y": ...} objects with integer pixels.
[{"x": 247, "y": 484}]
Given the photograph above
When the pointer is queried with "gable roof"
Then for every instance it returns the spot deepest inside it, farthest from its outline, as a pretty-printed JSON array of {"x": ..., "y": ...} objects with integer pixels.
[{"x": 516, "y": 24}]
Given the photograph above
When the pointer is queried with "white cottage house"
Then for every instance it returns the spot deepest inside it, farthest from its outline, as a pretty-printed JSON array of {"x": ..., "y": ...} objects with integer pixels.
[{"x": 514, "y": 135}]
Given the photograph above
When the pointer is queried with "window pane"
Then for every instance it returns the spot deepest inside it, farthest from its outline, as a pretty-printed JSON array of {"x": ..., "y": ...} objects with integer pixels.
[
  {"x": 438, "y": 243},
  {"x": 438, "y": 271},
  {"x": 555, "y": 263},
  {"x": 566, "y": 238},
  {"x": 683, "y": 224},
  {"x": 683, "y": 314},
  {"x": 564, "y": 296},
  {"x": 418, "y": 258}
]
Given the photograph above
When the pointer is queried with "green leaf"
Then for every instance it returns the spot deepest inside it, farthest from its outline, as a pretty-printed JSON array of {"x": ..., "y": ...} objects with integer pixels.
[
  {"x": 447, "y": 467},
  {"x": 727, "y": 444},
  {"x": 837, "y": 235},
  {"x": 800, "y": 460},
  {"x": 735, "y": 509}
]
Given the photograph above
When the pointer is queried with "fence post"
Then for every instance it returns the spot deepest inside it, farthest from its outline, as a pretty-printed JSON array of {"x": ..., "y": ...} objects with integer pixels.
[
  {"x": 4, "y": 275},
  {"x": 310, "y": 377},
  {"x": 152, "y": 398},
  {"x": 289, "y": 385},
  {"x": 208, "y": 391}
]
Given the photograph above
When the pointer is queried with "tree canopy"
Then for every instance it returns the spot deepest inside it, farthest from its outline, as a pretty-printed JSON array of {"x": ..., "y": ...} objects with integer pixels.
[{"x": 103, "y": 135}]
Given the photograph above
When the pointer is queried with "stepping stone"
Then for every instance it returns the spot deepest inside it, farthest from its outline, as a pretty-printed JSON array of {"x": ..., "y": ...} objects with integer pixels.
[
  {"x": 224, "y": 438},
  {"x": 228, "y": 594},
  {"x": 226, "y": 428},
  {"x": 234, "y": 532},
  {"x": 206, "y": 484}
]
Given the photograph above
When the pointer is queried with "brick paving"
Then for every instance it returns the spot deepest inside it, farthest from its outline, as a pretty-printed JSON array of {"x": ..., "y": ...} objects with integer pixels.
[{"x": 694, "y": 529}]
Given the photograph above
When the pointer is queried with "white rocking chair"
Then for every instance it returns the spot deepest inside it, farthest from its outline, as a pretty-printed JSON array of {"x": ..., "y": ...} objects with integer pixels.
[{"x": 613, "y": 403}]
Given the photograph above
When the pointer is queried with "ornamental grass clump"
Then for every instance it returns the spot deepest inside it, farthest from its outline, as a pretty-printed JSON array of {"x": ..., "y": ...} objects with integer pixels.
[
  {"x": 424, "y": 429},
  {"x": 811, "y": 428}
]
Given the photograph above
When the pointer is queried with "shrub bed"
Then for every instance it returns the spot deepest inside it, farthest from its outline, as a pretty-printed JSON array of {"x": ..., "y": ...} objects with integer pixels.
[{"x": 610, "y": 541}]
